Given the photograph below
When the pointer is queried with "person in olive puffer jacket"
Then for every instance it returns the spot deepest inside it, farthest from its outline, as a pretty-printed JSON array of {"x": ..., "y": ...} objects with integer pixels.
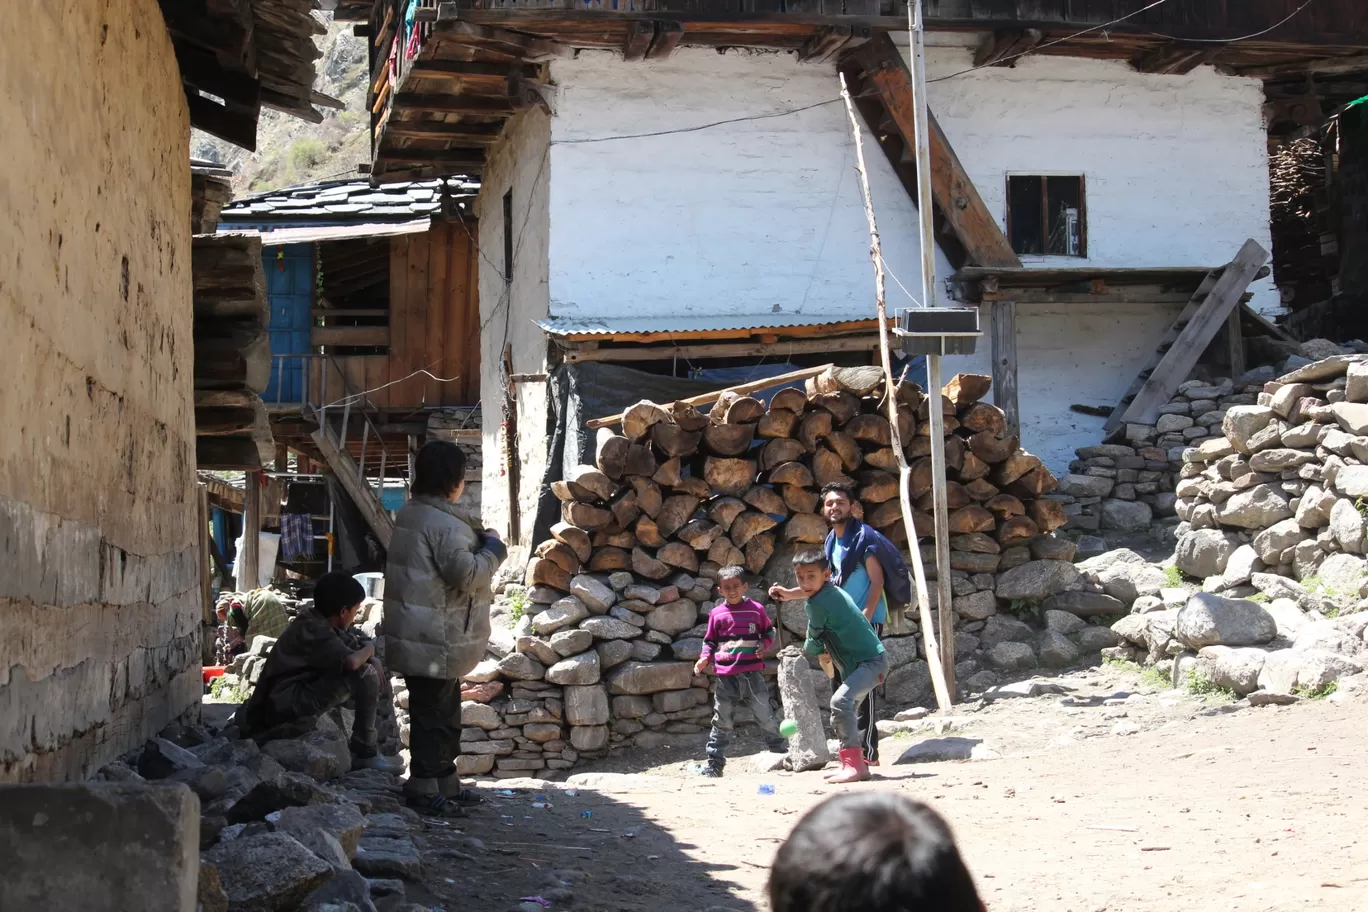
[{"x": 438, "y": 589}]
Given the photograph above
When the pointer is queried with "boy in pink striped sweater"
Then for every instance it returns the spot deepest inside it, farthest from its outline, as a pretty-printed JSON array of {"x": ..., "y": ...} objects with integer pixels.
[{"x": 739, "y": 632}]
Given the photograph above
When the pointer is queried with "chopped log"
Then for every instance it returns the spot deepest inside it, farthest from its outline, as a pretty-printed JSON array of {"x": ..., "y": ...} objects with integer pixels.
[
  {"x": 949, "y": 422},
  {"x": 955, "y": 497},
  {"x": 688, "y": 417},
  {"x": 924, "y": 410},
  {"x": 791, "y": 473},
  {"x": 884, "y": 460},
  {"x": 907, "y": 422},
  {"x": 566, "y": 493},
  {"x": 741, "y": 410},
  {"x": 639, "y": 419},
  {"x": 648, "y": 496},
  {"x": 955, "y": 451},
  {"x": 645, "y": 565},
  {"x": 541, "y": 572},
  {"x": 729, "y": 476},
  {"x": 976, "y": 543},
  {"x": 815, "y": 427},
  {"x": 909, "y": 394},
  {"x": 847, "y": 447},
  {"x": 789, "y": 399},
  {"x": 679, "y": 555},
  {"x": 878, "y": 487},
  {"x": 591, "y": 479},
  {"x": 766, "y": 500},
  {"x": 897, "y": 534},
  {"x": 724, "y": 553},
  {"x": 918, "y": 448},
  {"x": 800, "y": 500},
  {"x": 972, "y": 467},
  {"x": 925, "y": 524},
  {"x": 991, "y": 448},
  {"x": 1047, "y": 514},
  {"x": 758, "y": 552},
  {"x": 694, "y": 486},
  {"x": 858, "y": 381},
  {"x": 613, "y": 537},
  {"x": 672, "y": 440},
  {"x": 1034, "y": 483},
  {"x": 612, "y": 454},
  {"x": 884, "y": 515},
  {"x": 777, "y": 423},
  {"x": 561, "y": 553},
  {"x": 980, "y": 489},
  {"x": 640, "y": 461},
  {"x": 1017, "y": 531},
  {"x": 724, "y": 510},
  {"x": 870, "y": 429},
  {"x": 669, "y": 473},
  {"x": 1005, "y": 506},
  {"x": 648, "y": 533},
  {"x": 699, "y": 534},
  {"x": 728, "y": 439},
  {"x": 920, "y": 478},
  {"x": 972, "y": 518},
  {"x": 983, "y": 417},
  {"x": 585, "y": 516},
  {"x": 841, "y": 405},
  {"x": 966, "y": 389},
  {"x": 609, "y": 560},
  {"x": 625, "y": 509},
  {"x": 778, "y": 452},
  {"x": 1013, "y": 467},
  {"x": 675, "y": 512},
  {"x": 577, "y": 539},
  {"x": 748, "y": 525},
  {"x": 827, "y": 468},
  {"x": 805, "y": 528}
]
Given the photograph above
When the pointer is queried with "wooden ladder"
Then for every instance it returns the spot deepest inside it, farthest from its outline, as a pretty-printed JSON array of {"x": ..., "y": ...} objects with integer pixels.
[
  {"x": 1220, "y": 292},
  {"x": 332, "y": 445}
]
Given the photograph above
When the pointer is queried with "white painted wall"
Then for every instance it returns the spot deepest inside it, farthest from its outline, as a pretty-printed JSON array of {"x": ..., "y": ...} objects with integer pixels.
[
  {"x": 519, "y": 162},
  {"x": 1176, "y": 167},
  {"x": 754, "y": 217}
]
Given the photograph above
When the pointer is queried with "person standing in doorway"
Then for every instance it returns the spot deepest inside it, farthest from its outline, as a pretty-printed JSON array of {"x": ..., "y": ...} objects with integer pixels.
[
  {"x": 852, "y": 551},
  {"x": 438, "y": 588}
]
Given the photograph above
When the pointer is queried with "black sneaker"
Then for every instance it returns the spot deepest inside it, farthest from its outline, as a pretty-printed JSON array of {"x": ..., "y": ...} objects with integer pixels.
[
  {"x": 435, "y": 806},
  {"x": 710, "y": 771}
]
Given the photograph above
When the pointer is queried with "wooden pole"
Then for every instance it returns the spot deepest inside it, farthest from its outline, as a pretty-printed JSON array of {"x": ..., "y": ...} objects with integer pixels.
[
  {"x": 249, "y": 561},
  {"x": 741, "y": 390},
  {"x": 933, "y": 652},
  {"x": 921, "y": 118}
]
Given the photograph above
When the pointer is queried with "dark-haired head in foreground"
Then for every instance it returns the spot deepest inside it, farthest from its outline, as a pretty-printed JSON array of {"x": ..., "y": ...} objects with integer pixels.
[{"x": 871, "y": 853}]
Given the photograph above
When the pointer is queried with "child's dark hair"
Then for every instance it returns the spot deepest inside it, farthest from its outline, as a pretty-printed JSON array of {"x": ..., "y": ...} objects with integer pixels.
[
  {"x": 336, "y": 592},
  {"x": 809, "y": 557},
  {"x": 734, "y": 571},
  {"x": 838, "y": 487},
  {"x": 438, "y": 468},
  {"x": 871, "y": 853}
]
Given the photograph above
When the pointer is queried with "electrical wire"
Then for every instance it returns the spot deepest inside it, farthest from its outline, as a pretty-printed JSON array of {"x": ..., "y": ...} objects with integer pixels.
[
  {"x": 357, "y": 397},
  {"x": 1271, "y": 28}
]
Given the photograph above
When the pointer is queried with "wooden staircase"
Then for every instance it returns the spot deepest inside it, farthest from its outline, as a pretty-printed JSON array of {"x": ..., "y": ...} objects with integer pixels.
[{"x": 332, "y": 445}]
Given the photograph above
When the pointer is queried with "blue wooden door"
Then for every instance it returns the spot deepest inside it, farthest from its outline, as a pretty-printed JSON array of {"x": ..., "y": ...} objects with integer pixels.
[{"x": 289, "y": 286}]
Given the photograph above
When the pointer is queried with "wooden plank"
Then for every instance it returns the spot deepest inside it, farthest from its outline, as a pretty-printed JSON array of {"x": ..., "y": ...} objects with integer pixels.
[
  {"x": 667, "y": 36},
  {"x": 1235, "y": 348},
  {"x": 463, "y": 320},
  {"x": 1179, "y": 360},
  {"x": 640, "y": 34},
  {"x": 1002, "y": 327},
  {"x": 344, "y": 468},
  {"x": 1004, "y": 47},
  {"x": 349, "y": 311},
  {"x": 1067, "y": 298},
  {"x": 822, "y": 45},
  {"x": 462, "y": 134},
  {"x": 349, "y": 335},
  {"x": 705, "y": 398},
  {"x": 246, "y": 568},
  {"x": 408, "y": 392},
  {"x": 438, "y": 294},
  {"x": 724, "y": 350},
  {"x": 1267, "y": 326}
]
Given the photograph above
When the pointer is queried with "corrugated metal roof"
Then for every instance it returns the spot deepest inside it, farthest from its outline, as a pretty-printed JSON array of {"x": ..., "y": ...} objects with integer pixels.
[
  {"x": 668, "y": 323},
  {"x": 307, "y": 234}
]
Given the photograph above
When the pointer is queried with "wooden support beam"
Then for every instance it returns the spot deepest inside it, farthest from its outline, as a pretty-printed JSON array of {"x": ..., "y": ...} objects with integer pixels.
[
  {"x": 724, "y": 350},
  {"x": 1235, "y": 347},
  {"x": 1003, "y": 47},
  {"x": 235, "y": 126},
  {"x": 1325, "y": 66},
  {"x": 640, "y": 34},
  {"x": 826, "y": 42},
  {"x": 464, "y": 133},
  {"x": 478, "y": 105},
  {"x": 472, "y": 70},
  {"x": 435, "y": 159},
  {"x": 1002, "y": 328},
  {"x": 518, "y": 44},
  {"x": 1177, "y": 58},
  {"x": 349, "y": 335},
  {"x": 249, "y": 561},
  {"x": 1182, "y": 356},
  {"x": 667, "y": 36},
  {"x": 345, "y": 470}
]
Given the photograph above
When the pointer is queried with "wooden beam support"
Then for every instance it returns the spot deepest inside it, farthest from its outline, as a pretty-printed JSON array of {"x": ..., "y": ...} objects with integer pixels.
[
  {"x": 1003, "y": 47},
  {"x": 518, "y": 44},
  {"x": 473, "y": 134},
  {"x": 361, "y": 494},
  {"x": 1176, "y": 58},
  {"x": 1002, "y": 328},
  {"x": 248, "y": 564},
  {"x": 826, "y": 42},
  {"x": 474, "y": 70},
  {"x": 667, "y": 36},
  {"x": 724, "y": 350},
  {"x": 1325, "y": 66},
  {"x": 478, "y": 105},
  {"x": 1235, "y": 347},
  {"x": 349, "y": 335},
  {"x": 234, "y": 126},
  {"x": 640, "y": 34}
]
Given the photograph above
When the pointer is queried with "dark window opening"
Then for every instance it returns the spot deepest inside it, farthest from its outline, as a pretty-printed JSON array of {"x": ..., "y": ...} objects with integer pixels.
[
  {"x": 352, "y": 299},
  {"x": 508, "y": 236},
  {"x": 1047, "y": 216}
]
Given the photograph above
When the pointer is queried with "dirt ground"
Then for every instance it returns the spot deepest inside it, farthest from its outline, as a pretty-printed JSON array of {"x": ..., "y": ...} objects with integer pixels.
[{"x": 1163, "y": 801}]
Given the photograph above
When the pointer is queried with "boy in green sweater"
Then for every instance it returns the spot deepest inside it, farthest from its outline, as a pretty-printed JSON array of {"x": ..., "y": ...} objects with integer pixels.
[{"x": 838, "y": 632}]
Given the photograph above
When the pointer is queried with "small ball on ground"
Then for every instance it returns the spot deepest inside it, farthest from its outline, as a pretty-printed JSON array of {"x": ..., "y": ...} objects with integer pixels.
[{"x": 788, "y": 728}]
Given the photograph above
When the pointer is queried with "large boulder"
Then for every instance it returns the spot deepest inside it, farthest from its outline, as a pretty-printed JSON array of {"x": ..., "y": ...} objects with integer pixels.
[
  {"x": 1277, "y": 538},
  {"x": 1003, "y": 628},
  {"x": 610, "y": 628},
  {"x": 808, "y": 745},
  {"x": 1326, "y": 636},
  {"x": 1036, "y": 580},
  {"x": 1346, "y": 524},
  {"x": 1314, "y": 669},
  {"x": 1235, "y": 669},
  {"x": 563, "y": 613},
  {"x": 1288, "y": 615},
  {"x": 1342, "y": 575},
  {"x": 571, "y": 642},
  {"x": 596, "y": 595},
  {"x": 1210, "y": 620},
  {"x": 268, "y": 871},
  {"x": 909, "y": 684},
  {"x": 581, "y": 669},
  {"x": 650, "y": 677},
  {"x": 1085, "y": 486},
  {"x": 1352, "y": 481},
  {"x": 1126, "y": 515},
  {"x": 1242, "y": 422},
  {"x": 1010, "y": 656},
  {"x": 1056, "y": 650},
  {"x": 586, "y": 705},
  {"x": 1352, "y": 416},
  {"x": 1254, "y": 508},
  {"x": 674, "y": 617},
  {"x": 976, "y": 606},
  {"x": 1204, "y": 552},
  {"x": 343, "y": 821},
  {"x": 1243, "y": 562},
  {"x": 1083, "y": 604}
]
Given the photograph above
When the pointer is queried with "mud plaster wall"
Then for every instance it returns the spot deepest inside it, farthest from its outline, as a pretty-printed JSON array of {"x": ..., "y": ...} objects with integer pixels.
[
  {"x": 520, "y": 163},
  {"x": 98, "y": 574}
]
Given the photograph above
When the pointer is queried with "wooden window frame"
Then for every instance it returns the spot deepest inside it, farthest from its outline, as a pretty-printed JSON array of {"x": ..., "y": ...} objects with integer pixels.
[{"x": 1045, "y": 212}]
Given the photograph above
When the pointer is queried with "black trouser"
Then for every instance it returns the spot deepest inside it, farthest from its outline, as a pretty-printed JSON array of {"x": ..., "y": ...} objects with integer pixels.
[
  {"x": 315, "y": 696},
  {"x": 434, "y": 727},
  {"x": 866, "y": 715}
]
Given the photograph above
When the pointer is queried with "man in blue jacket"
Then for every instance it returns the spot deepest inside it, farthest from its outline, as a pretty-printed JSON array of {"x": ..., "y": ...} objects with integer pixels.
[{"x": 852, "y": 549}]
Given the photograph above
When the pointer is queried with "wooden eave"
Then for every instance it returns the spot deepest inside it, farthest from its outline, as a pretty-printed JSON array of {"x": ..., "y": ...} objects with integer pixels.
[{"x": 1080, "y": 284}]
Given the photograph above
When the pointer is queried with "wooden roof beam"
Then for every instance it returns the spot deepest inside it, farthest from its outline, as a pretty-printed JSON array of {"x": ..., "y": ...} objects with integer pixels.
[
  {"x": 1177, "y": 58},
  {"x": 1326, "y": 66},
  {"x": 519, "y": 44},
  {"x": 474, "y": 134},
  {"x": 1003, "y": 47}
]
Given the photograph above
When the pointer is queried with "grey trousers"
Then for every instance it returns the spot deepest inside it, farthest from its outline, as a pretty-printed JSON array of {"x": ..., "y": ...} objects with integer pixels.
[{"x": 855, "y": 686}]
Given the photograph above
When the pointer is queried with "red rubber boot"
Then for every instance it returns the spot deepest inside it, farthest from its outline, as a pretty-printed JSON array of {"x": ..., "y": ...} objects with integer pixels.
[{"x": 853, "y": 767}]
